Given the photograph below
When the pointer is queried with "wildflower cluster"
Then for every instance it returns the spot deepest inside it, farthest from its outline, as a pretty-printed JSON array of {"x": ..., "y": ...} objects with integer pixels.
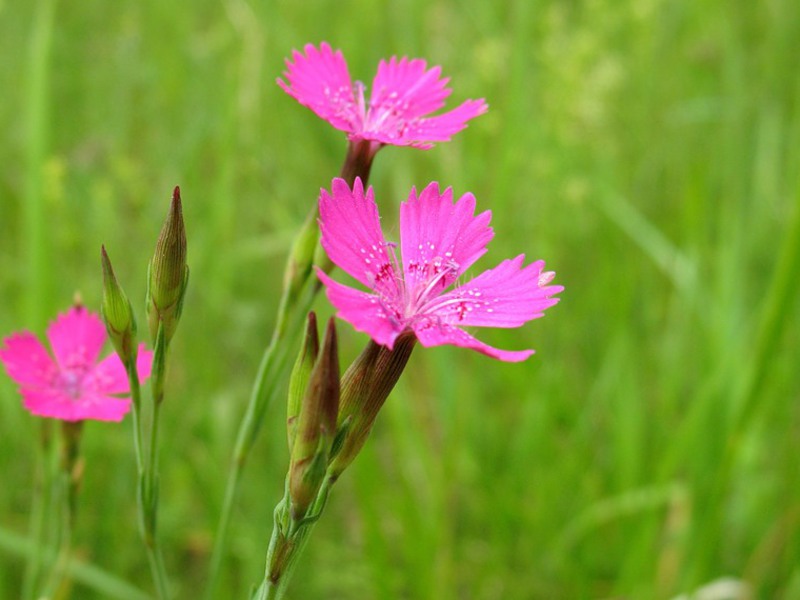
[{"x": 416, "y": 292}]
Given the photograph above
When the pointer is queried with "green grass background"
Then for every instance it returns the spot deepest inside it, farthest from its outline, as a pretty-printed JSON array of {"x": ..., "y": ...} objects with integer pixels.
[{"x": 648, "y": 150}]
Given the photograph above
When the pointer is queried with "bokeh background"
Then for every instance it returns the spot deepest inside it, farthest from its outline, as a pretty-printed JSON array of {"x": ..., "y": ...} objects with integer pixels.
[{"x": 648, "y": 150}]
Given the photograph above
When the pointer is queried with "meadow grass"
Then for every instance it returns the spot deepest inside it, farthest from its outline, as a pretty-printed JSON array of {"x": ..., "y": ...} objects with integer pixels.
[{"x": 649, "y": 151}]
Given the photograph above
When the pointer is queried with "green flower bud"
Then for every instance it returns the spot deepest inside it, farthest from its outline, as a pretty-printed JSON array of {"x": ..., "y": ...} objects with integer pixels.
[
  {"x": 168, "y": 274},
  {"x": 365, "y": 386},
  {"x": 316, "y": 427},
  {"x": 301, "y": 372},
  {"x": 117, "y": 313}
]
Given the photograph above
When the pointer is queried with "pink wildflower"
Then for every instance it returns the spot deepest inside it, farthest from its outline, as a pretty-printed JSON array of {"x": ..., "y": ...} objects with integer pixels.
[
  {"x": 404, "y": 92},
  {"x": 74, "y": 386},
  {"x": 439, "y": 240}
]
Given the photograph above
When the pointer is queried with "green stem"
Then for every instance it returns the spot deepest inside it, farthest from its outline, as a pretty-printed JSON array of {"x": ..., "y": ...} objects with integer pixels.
[
  {"x": 296, "y": 300},
  {"x": 40, "y": 510},
  {"x": 288, "y": 324},
  {"x": 147, "y": 462},
  {"x": 34, "y": 211},
  {"x": 34, "y": 220},
  {"x": 69, "y": 479},
  {"x": 136, "y": 404},
  {"x": 59, "y": 565},
  {"x": 289, "y": 539},
  {"x": 150, "y": 482}
]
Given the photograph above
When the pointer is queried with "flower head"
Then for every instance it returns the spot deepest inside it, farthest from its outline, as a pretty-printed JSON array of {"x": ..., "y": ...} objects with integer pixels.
[
  {"x": 74, "y": 386},
  {"x": 439, "y": 240},
  {"x": 404, "y": 92}
]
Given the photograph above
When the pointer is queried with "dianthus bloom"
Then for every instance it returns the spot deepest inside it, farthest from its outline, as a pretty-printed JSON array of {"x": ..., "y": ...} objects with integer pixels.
[
  {"x": 404, "y": 93},
  {"x": 74, "y": 386},
  {"x": 439, "y": 240}
]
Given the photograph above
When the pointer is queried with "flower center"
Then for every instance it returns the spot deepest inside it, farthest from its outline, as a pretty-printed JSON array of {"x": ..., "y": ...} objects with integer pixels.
[
  {"x": 386, "y": 112},
  {"x": 432, "y": 279},
  {"x": 70, "y": 378},
  {"x": 71, "y": 382}
]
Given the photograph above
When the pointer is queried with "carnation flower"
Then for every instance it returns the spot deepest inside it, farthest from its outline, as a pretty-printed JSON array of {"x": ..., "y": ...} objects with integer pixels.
[
  {"x": 71, "y": 385},
  {"x": 404, "y": 94},
  {"x": 439, "y": 240}
]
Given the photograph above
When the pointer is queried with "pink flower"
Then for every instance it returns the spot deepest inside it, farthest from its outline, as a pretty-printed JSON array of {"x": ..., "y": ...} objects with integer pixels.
[
  {"x": 404, "y": 92},
  {"x": 74, "y": 386},
  {"x": 439, "y": 240}
]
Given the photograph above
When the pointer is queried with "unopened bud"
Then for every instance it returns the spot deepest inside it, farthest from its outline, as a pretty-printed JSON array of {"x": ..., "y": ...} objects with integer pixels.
[
  {"x": 168, "y": 274},
  {"x": 365, "y": 386},
  {"x": 117, "y": 313},
  {"x": 301, "y": 372},
  {"x": 316, "y": 427}
]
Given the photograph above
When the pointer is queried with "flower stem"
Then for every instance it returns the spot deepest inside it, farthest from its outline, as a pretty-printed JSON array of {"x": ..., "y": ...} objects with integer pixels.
[
  {"x": 40, "y": 509},
  {"x": 289, "y": 539},
  {"x": 290, "y": 320},
  {"x": 147, "y": 462},
  {"x": 68, "y": 482},
  {"x": 296, "y": 300}
]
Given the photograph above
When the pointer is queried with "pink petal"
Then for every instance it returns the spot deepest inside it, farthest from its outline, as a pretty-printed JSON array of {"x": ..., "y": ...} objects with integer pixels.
[
  {"x": 76, "y": 338},
  {"x": 109, "y": 376},
  {"x": 435, "y": 234},
  {"x": 440, "y": 128},
  {"x": 320, "y": 81},
  {"x": 506, "y": 296},
  {"x": 403, "y": 91},
  {"x": 144, "y": 363},
  {"x": 430, "y": 333},
  {"x": 365, "y": 312},
  {"x": 27, "y": 361},
  {"x": 351, "y": 235},
  {"x": 59, "y": 405}
]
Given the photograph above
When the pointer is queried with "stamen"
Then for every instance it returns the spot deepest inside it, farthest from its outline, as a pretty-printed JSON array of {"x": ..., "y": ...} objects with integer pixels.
[{"x": 421, "y": 298}]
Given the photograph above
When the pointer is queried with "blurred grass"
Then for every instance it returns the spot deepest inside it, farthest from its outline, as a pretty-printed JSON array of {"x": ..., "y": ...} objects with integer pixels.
[{"x": 649, "y": 151}]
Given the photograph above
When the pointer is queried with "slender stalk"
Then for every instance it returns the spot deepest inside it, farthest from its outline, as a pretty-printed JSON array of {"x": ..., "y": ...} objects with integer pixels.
[
  {"x": 289, "y": 539},
  {"x": 40, "y": 510},
  {"x": 69, "y": 479},
  {"x": 365, "y": 386},
  {"x": 34, "y": 211},
  {"x": 296, "y": 300},
  {"x": 34, "y": 221},
  {"x": 273, "y": 363},
  {"x": 147, "y": 464}
]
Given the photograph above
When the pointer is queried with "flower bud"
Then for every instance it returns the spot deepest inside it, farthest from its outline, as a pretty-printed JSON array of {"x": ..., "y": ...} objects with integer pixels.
[
  {"x": 301, "y": 372},
  {"x": 316, "y": 427},
  {"x": 365, "y": 386},
  {"x": 117, "y": 313},
  {"x": 168, "y": 274}
]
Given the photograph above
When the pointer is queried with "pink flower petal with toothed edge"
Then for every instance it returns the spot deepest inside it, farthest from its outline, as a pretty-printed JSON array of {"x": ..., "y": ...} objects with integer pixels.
[
  {"x": 351, "y": 235},
  {"x": 505, "y": 296},
  {"x": 408, "y": 87},
  {"x": 27, "y": 361},
  {"x": 404, "y": 94},
  {"x": 439, "y": 240},
  {"x": 437, "y": 234},
  {"x": 363, "y": 311},
  {"x": 76, "y": 338},
  {"x": 440, "y": 128},
  {"x": 320, "y": 81},
  {"x": 441, "y": 334}
]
